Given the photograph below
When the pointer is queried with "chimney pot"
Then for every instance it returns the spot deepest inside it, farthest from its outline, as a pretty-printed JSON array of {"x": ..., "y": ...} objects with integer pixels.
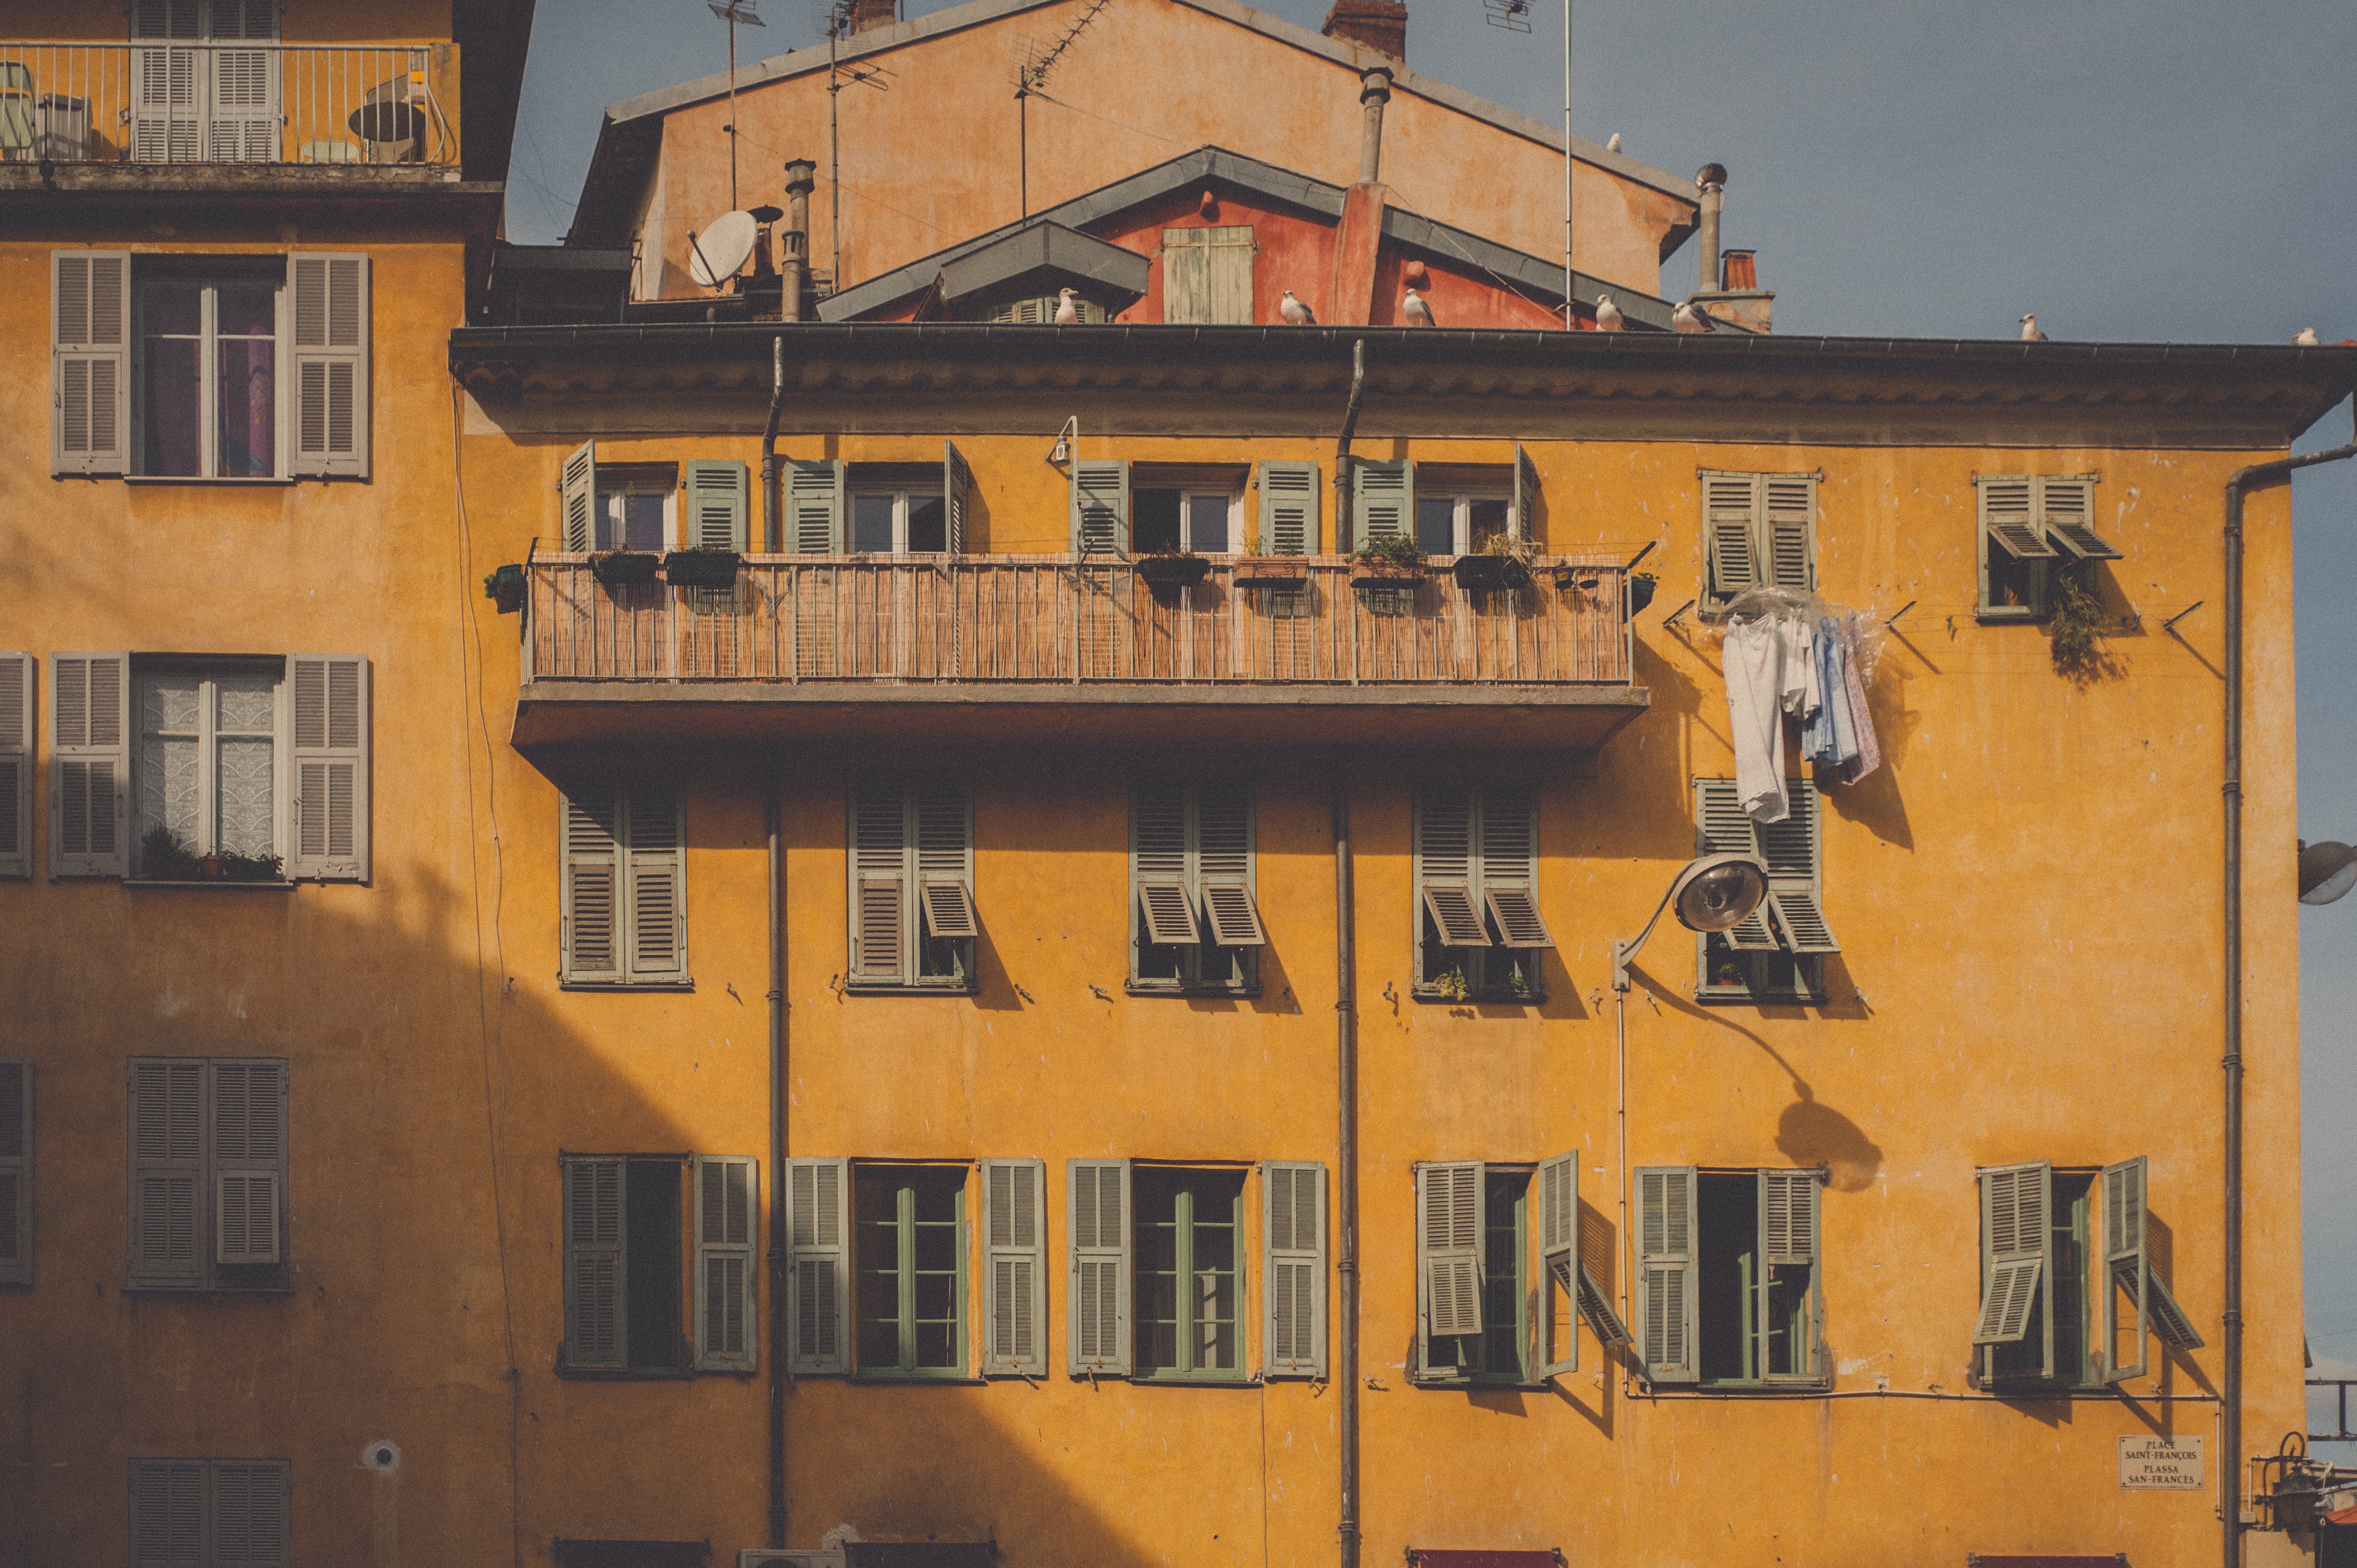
[
  {"x": 1378, "y": 25},
  {"x": 870, "y": 14}
]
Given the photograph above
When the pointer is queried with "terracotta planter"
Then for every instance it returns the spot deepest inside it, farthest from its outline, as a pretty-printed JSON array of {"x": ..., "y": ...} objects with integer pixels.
[
  {"x": 702, "y": 568},
  {"x": 1273, "y": 572},
  {"x": 1366, "y": 575},
  {"x": 624, "y": 568}
]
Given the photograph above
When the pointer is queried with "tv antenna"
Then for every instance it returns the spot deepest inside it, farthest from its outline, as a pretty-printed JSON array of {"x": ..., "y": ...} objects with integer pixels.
[
  {"x": 733, "y": 12},
  {"x": 1032, "y": 67},
  {"x": 838, "y": 77},
  {"x": 1515, "y": 16}
]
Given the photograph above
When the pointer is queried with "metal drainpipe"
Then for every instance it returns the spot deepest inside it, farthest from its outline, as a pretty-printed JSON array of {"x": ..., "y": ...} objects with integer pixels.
[
  {"x": 1342, "y": 450},
  {"x": 2230, "y": 1436},
  {"x": 772, "y": 505},
  {"x": 773, "y": 812},
  {"x": 1346, "y": 1159}
]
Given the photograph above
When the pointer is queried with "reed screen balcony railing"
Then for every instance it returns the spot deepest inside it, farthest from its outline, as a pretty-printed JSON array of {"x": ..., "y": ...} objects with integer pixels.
[
  {"x": 1050, "y": 620},
  {"x": 227, "y": 103}
]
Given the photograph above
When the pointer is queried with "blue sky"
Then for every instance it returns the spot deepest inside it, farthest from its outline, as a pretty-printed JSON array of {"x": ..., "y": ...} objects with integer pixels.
[{"x": 2132, "y": 170}]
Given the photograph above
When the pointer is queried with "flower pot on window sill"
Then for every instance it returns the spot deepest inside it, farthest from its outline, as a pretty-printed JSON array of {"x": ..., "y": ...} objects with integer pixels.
[
  {"x": 702, "y": 568},
  {"x": 1172, "y": 571},
  {"x": 1383, "y": 575},
  {"x": 504, "y": 587},
  {"x": 1273, "y": 572},
  {"x": 624, "y": 568},
  {"x": 1481, "y": 573}
]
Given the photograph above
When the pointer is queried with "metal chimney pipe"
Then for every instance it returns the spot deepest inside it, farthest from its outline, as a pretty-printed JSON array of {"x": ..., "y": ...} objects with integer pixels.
[
  {"x": 793, "y": 262},
  {"x": 1374, "y": 92},
  {"x": 1711, "y": 183}
]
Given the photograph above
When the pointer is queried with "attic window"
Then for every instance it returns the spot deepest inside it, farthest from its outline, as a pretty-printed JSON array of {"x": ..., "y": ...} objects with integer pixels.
[{"x": 1040, "y": 310}]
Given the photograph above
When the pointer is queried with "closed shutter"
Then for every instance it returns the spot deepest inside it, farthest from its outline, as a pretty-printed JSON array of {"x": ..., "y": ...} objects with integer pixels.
[
  {"x": 250, "y": 1508},
  {"x": 655, "y": 857},
  {"x": 90, "y": 362},
  {"x": 576, "y": 492},
  {"x": 1014, "y": 1268},
  {"x": 249, "y": 1162},
  {"x": 1186, "y": 276},
  {"x": 1447, "y": 864},
  {"x": 1158, "y": 865},
  {"x": 15, "y": 765},
  {"x": 813, "y": 506},
  {"x": 945, "y": 861},
  {"x": 1288, "y": 508},
  {"x": 957, "y": 496},
  {"x": 1448, "y": 1249},
  {"x": 242, "y": 110},
  {"x": 1230, "y": 256},
  {"x": 1224, "y": 865},
  {"x": 1101, "y": 1268},
  {"x": 16, "y": 1171},
  {"x": 1794, "y": 851},
  {"x": 2009, "y": 516},
  {"x": 2017, "y": 1255},
  {"x": 818, "y": 1272},
  {"x": 167, "y": 1513},
  {"x": 727, "y": 1200},
  {"x": 593, "y": 935},
  {"x": 331, "y": 365},
  {"x": 2127, "y": 1266},
  {"x": 1730, "y": 509},
  {"x": 596, "y": 1300},
  {"x": 166, "y": 124},
  {"x": 2067, "y": 511},
  {"x": 332, "y": 765},
  {"x": 715, "y": 492},
  {"x": 1292, "y": 1261},
  {"x": 1100, "y": 507},
  {"x": 1668, "y": 1278},
  {"x": 1383, "y": 500},
  {"x": 879, "y": 886},
  {"x": 1509, "y": 865},
  {"x": 1789, "y": 536},
  {"x": 167, "y": 1124},
  {"x": 1558, "y": 1185},
  {"x": 1789, "y": 1235},
  {"x": 89, "y": 764},
  {"x": 1525, "y": 519},
  {"x": 1722, "y": 827}
]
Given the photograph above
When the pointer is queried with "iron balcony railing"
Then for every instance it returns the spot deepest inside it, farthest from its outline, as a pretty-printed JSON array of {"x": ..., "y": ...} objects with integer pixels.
[
  {"x": 227, "y": 103},
  {"x": 1051, "y": 619}
]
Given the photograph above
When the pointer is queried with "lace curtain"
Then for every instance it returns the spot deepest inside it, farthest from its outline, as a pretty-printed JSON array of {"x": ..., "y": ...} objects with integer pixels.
[{"x": 178, "y": 750}]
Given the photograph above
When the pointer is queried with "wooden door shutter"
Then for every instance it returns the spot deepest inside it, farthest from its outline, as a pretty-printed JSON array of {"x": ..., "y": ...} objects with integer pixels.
[
  {"x": 818, "y": 1268},
  {"x": 1793, "y": 852},
  {"x": 168, "y": 1124},
  {"x": 249, "y": 1162},
  {"x": 1230, "y": 256},
  {"x": 1448, "y": 864},
  {"x": 879, "y": 886},
  {"x": 577, "y": 493},
  {"x": 331, "y": 809},
  {"x": 2009, "y": 516},
  {"x": 1730, "y": 509},
  {"x": 89, "y": 764},
  {"x": 1449, "y": 1248},
  {"x": 1100, "y": 506},
  {"x": 1668, "y": 1286},
  {"x": 593, "y": 935},
  {"x": 1014, "y": 1268},
  {"x": 1788, "y": 539},
  {"x": 2066, "y": 514},
  {"x": 1101, "y": 1268},
  {"x": 250, "y": 1524},
  {"x": 1722, "y": 827},
  {"x": 1523, "y": 525},
  {"x": 1158, "y": 865},
  {"x": 15, "y": 765},
  {"x": 90, "y": 362},
  {"x": 1509, "y": 865},
  {"x": 1558, "y": 1185},
  {"x": 1293, "y": 1262},
  {"x": 331, "y": 365},
  {"x": 1288, "y": 508},
  {"x": 597, "y": 1297},
  {"x": 945, "y": 835},
  {"x": 813, "y": 506},
  {"x": 654, "y": 854},
  {"x": 2017, "y": 1255},
  {"x": 1383, "y": 500},
  {"x": 1225, "y": 864},
  {"x": 16, "y": 1171},
  {"x": 727, "y": 1204},
  {"x": 167, "y": 1513},
  {"x": 1186, "y": 275},
  {"x": 957, "y": 496},
  {"x": 715, "y": 492},
  {"x": 2128, "y": 1267}
]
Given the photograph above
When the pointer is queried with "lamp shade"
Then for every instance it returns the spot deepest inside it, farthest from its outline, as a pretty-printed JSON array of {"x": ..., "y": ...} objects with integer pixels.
[
  {"x": 1718, "y": 892},
  {"x": 2327, "y": 870}
]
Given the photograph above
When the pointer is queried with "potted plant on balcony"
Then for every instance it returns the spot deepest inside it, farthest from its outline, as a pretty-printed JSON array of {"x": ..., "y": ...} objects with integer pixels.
[
  {"x": 1278, "y": 572},
  {"x": 1640, "y": 591},
  {"x": 1388, "y": 563},
  {"x": 702, "y": 568},
  {"x": 1172, "y": 569},
  {"x": 504, "y": 587},
  {"x": 1500, "y": 562},
  {"x": 624, "y": 568}
]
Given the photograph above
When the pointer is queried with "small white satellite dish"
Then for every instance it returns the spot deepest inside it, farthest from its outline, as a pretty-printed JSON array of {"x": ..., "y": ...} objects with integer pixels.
[{"x": 714, "y": 256}]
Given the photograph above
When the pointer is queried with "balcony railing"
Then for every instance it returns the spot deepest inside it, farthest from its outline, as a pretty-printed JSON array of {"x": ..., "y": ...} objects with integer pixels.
[
  {"x": 1047, "y": 619},
  {"x": 226, "y": 103}
]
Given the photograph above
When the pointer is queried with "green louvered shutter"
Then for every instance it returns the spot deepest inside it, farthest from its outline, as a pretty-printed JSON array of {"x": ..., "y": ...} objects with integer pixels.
[
  {"x": 2016, "y": 1260},
  {"x": 15, "y": 765},
  {"x": 577, "y": 497},
  {"x": 1099, "y": 507},
  {"x": 2009, "y": 515},
  {"x": 2067, "y": 513},
  {"x": 1510, "y": 867},
  {"x": 328, "y": 368},
  {"x": 168, "y": 1120},
  {"x": 1293, "y": 1262},
  {"x": 1721, "y": 827},
  {"x": 1159, "y": 868},
  {"x": 957, "y": 496},
  {"x": 1668, "y": 1274},
  {"x": 249, "y": 1162},
  {"x": 1224, "y": 863},
  {"x": 1014, "y": 1268},
  {"x": 89, "y": 764},
  {"x": 818, "y": 1265},
  {"x": 1448, "y": 863},
  {"x": 2128, "y": 1267},
  {"x": 168, "y": 1510},
  {"x": 1288, "y": 508},
  {"x": 714, "y": 497},
  {"x": 655, "y": 881},
  {"x": 1558, "y": 1185},
  {"x": 1789, "y": 530},
  {"x": 1100, "y": 1291},
  {"x": 1526, "y": 496},
  {"x": 1793, "y": 850},
  {"x": 881, "y": 895},
  {"x": 1186, "y": 276},
  {"x": 1449, "y": 1203},
  {"x": 727, "y": 1204},
  {"x": 1789, "y": 1239},
  {"x": 1730, "y": 509},
  {"x": 1383, "y": 500},
  {"x": 250, "y": 1509},
  {"x": 330, "y": 765},
  {"x": 594, "y": 926},
  {"x": 597, "y": 1301},
  {"x": 813, "y": 506},
  {"x": 90, "y": 360}
]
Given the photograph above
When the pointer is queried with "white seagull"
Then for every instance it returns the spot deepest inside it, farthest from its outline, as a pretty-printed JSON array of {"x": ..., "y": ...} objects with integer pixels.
[
  {"x": 2030, "y": 332},
  {"x": 1417, "y": 312},
  {"x": 2305, "y": 338},
  {"x": 1294, "y": 312},
  {"x": 1686, "y": 318},
  {"x": 1068, "y": 314},
  {"x": 1614, "y": 144},
  {"x": 1608, "y": 314}
]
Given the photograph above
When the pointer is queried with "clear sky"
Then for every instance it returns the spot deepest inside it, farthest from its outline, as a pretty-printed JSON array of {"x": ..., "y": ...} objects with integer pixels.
[{"x": 2132, "y": 170}]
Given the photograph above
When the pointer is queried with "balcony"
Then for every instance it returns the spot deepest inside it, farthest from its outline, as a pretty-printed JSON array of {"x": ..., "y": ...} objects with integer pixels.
[{"x": 1030, "y": 650}]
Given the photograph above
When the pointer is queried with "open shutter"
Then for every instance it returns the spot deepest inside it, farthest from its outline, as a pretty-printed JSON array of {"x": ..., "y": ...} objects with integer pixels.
[
  {"x": 1100, "y": 507},
  {"x": 957, "y": 494},
  {"x": 1668, "y": 1283},
  {"x": 1158, "y": 865},
  {"x": 2169, "y": 1319},
  {"x": 813, "y": 506},
  {"x": 2010, "y": 517},
  {"x": 90, "y": 362},
  {"x": 1790, "y": 535},
  {"x": 728, "y": 1198},
  {"x": 1014, "y": 1273},
  {"x": 1224, "y": 865},
  {"x": 593, "y": 927},
  {"x": 16, "y": 1171},
  {"x": 1510, "y": 866},
  {"x": 2017, "y": 1254},
  {"x": 1788, "y": 1239},
  {"x": 879, "y": 886},
  {"x": 596, "y": 1299},
  {"x": 1794, "y": 851},
  {"x": 167, "y": 1513},
  {"x": 1596, "y": 1308},
  {"x": 1722, "y": 827},
  {"x": 818, "y": 1269},
  {"x": 89, "y": 764},
  {"x": 331, "y": 365},
  {"x": 1558, "y": 1185},
  {"x": 655, "y": 860},
  {"x": 1288, "y": 508},
  {"x": 1383, "y": 500},
  {"x": 2067, "y": 511},
  {"x": 1448, "y": 1247},
  {"x": 1445, "y": 865},
  {"x": 1524, "y": 522},
  {"x": 332, "y": 765},
  {"x": 250, "y": 1513},
  {"x": 249, "y": 1162},
  {"x": 168, "y": 1122},
  {"x": 715, "y": 492},
  {"x": 1101, "y": 1268},
  {"x": 1730, "y": 506},
  {"x": 576, "y": 491},
  {"x": 2127, "y": 1266},
  {"x": 15, "y": 765},
  {"x": 1292, "y": 1261},
  {"x": 945, "y": 861}
]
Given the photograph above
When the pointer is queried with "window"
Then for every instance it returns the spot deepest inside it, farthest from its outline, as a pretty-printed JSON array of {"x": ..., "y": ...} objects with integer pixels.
[
  {"x": 1190, "y": 1268},
  {"x": 636, "y": 507},
  {"x": 1761, "y": 533},
  {"x": 1568, "y": 1291},
  {"x": 16, "y": 1171},
  {"x": 625, "y": 884},
  {"x": 897, "y": 521},
  {"x": 627, "y": 1298},
  {"x": 207, "y": 769},
  {"x": 2029, "y": 523},
  {"x": 15, "y": 765},
  {"x": 698, "y": 504},
  {"x": 210, "y": 1511},
  {"x": 1447, "y": 509},
  {"x": 1478, "y": 927},
  {"x": 209, "y": 1199},
  {"x": 1194, "y": 924},
  {"x": 1729, "y": 1288},
  {"x": 1206, "y": 274},
  {"x": 215, "y": 104},
  {"x": 1472, "y": 1275},
  {"x": 891, "y": 509},
  {"x": 911, "y": 896},
  {"x": 1198, "y": 510},
  {"x": 910, "y": 1294},
  {"x": 1461, "y": 522},
  {"x": 1778, "y": 955}
]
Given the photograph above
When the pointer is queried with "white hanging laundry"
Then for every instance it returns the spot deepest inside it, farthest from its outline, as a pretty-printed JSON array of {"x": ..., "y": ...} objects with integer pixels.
[{"x": 1752, "y": 658}]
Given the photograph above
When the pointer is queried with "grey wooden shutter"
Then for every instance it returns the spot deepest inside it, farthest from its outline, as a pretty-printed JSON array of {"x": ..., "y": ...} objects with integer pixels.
[
  {"x": 1789, "y": 530},
  {"x": 1100, "y": 1230},
  {"x": 2127, "y": 1266},
  {"x": 879, "y": 886},
  {"x": 1509, "y": 865},
  {"x": 1558, "y": 1185},
  {"x": 15, "y": 765},
  {"x": 1229, "y": 257},
  {"x": 818, "y": 1265},
  {"x": 1186, "y": 275},
  {"x": 1383, "y": 500},
  {"x": 2017, "y": 1253},
  {"x": 1449, "y": 1248},
  {"x": 89, "y": 764},
  {"x": 957, "y": 495},
  {"x": 2066, "y": 512},
  {"x": 1447, "y": 864},
  {"x": 1668, "y": 1296},
  {"x": 168, "y": 1126},
  {"x": 166, "y": 124},
  {"x": 2169, "y": 1319},
  {"x": 331, "y": 365},
  {"x": 813, "y": 506},
  {"x": 1730, "y": 507},
  {"x": 1014, "y": 1268},
  {"x": 715, "y": 492},
  {"x": 90, "y": 362},
  {"x": 250, "y": 1509},
  {"x": 577, "y": 497},
  {"x": 1288, "y": 508},
  {"x": 1100, "y": 506},
  {"x": 249, "y": 1162},
  {"x": 1596, "y": 1308},
  {"x": 1722, "y": 827},
  {"x": 1526, "y": 496},
  {"x": 2009, "y": 515},
  {"x": 1293, "y": 1262},
  {"x": 168, "y": 1512},
  {"x": 331, "y": 761},
  {"x": 727, "y": 1202},
  {"x": 945, "y": 840},
  {"x": 596, "y": 1300},
  {"x": 654, "y": 856},
  {"x": 1158, "y": 865},
  {"x": 594, "y": 932},
  {"x": 16, "y": 1171},
  {"x": 1789, "y": 1233},
  {"x": 1225, "y": 864},
  {"x": 1794, "y": 851}
]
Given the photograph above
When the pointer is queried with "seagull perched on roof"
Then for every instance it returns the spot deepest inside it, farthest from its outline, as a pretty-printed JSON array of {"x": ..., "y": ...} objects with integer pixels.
[
  {"x": 2030, "y": 332},
  {"x": 1417, "y": 312},
  {"x": 2305, "y": 338},
  {"x": 1294, "y": 312},
  {"x": 1686, "y": 318},
  {"x": 1614, "y": 144},
  {"x": 1608, "y": 314},
  {"x": 1068, "y": 310}
]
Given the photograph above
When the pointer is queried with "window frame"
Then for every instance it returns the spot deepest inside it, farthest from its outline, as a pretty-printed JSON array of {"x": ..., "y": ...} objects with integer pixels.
[
  {"x": 902, "y": 494},
  {"x": 211, "y": 1276},
  {"x": 1462, "y": 497},
  {"x": 1766, "y": 978},
  {"x": 1186, "y": 1326},
  {"x": 903, "y": 1174},
  {"x": 149, "y": 272},
  {"x": 1687, "y": 1265},
  {"x": 1228, "y": 497},
  {"x": 683, "y": 1284},
  {"x": 1428, "y": 1372},
  {"x": 1760, "y": 532},
  {"x": 1190, "y": 980},
  {"x": 2062, "y": 1308},
  {"x": 144, "y": 672},
  {"x": 616, "y": 481}
]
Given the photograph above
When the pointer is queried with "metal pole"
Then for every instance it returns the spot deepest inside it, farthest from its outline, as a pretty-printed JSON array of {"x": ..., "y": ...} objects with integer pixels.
[
  {"x": 778, "y": 1204},
  {"x": 833, "y": 158},
  {"x": 1346, "y": 1160},
  {"x": 1570, "y": 278},
  {"x": 732, "y": 109}
]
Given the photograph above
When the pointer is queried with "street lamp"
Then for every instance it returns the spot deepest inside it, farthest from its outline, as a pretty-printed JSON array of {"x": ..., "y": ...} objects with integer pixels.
[
  {"x": 2327, "y": 870},
  {"x": 1718, "y": 893}
]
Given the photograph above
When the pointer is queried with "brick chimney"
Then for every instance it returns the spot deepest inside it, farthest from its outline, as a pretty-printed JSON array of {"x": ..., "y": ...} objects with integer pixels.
[
  {"x": 1380, "y": 25},
  {"x": 867, "y": 15}
]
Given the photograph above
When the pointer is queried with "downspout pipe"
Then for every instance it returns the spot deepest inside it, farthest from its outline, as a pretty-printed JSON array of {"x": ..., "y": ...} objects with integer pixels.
[
  {"x": 773, "y": 504},
  {"x": 1342, "y": 543},
  {"x": 773, "y": 811},
  {"x": 1346, "y": 1159},
  {"x": 2230, "y": 1384}
]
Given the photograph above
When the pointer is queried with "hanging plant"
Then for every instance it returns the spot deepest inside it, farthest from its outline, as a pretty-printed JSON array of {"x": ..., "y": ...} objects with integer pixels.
[{"x": 2077, "y": 628}]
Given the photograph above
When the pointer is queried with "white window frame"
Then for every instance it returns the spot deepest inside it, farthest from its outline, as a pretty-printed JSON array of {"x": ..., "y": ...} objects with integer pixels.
[
  {"x": 282, "y": 827},
  {"x": 901, "y": 496},
  {"x": 1233, "y": 499},
  {"x": 631, "y": 485},
  {"x": 1461, "y": 501},
  {"x": 146, "y": 279}
]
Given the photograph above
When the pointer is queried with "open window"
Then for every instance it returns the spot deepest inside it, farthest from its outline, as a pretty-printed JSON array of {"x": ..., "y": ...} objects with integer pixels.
[
  {"x": 913, "y": 925},
  {"x": 658, "y": 1274},
  {"x": 1463, "y": 508},
  {"x": 1199, "y": 509},
  {"x": 2032, "y": 525},
  {"x": 909, "y": 1293},
  {"x": 1478, "y": 928},
  {"x": 1778, "y": 954},
  {"x": 1728, "y": 1287},
  {"x": 1760, "y": 531},
  {"x": 1194, "y": 918},
  {"x": 1473, "y": 1273}
]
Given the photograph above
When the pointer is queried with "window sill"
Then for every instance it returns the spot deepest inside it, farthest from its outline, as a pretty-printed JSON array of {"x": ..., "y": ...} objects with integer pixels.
[
  {"x": 562, "y": 985},
  {"x": 1766, "y": 1391},
  {"x": 211, "y": 884},
  {"x": 1481, "y": 998},
  {"x": 1745, "y": 999},
  {"x": 1190, "y": 1381},
  {"x": 625, "y": 1374},
  {"x": 1226, "y": 993},
  {"x": 960, "y": 990},
  {"x": 195, "y": 479},
  {"x": 923, "y": 1380},
  {"x": 200, "y": 1287},
  {"x": 2000, "y": 614},
  {"x": 1480, "y": 1385}
]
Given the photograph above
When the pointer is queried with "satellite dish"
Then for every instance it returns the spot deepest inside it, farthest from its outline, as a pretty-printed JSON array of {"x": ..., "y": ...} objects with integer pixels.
[{"x": 714, "y": 256}]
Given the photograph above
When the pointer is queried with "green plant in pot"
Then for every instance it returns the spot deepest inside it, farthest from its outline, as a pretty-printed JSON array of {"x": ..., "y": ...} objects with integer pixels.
[
  {"x": 702, "y": 568},
  {"x": 1640, "y": 590},
  {"x": 1390, "y": 557},
  {"x": 624, "y": 568},
  {"x": 166, "y": 857},
  {"x": 504, "y": 586},
  {"x": 1500, "y": 562}
]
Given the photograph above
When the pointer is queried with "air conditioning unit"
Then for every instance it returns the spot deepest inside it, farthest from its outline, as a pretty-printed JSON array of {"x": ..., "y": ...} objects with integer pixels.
[{"x": 805, "y": 1557}]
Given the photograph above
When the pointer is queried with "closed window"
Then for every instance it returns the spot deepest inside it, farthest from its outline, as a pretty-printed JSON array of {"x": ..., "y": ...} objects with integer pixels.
[
  {"x": 215, "y": 102},
  {"x": 1472, "y": 1276},
  {"x": 1729, "y": 1288},
  {"x": 1760, "y": 531},
  {"x": 16, "y": 678},
  {"x": 1194, "y": 920},
  {"x": 2032, "y": 526},
  {"x": 911, "y": 896},
  {"x": 1189, "y": 1268},
  {"x": 637, "y": 1298},
  {"x": 635, "y": 506},
  {"x": 207, "y": 769},
  {"x": 208, "y": 1184},
  {"x": 208, "y": 369},
  {"x": 1479, "y": 934},
  {"x": 899, "y": 521},
  {"x": 910, "y": 1291},
  {"x": 625, "y": 884},
  {"x": 1199, "y": 511},
  {"x": 1206, "y": 274},
  {"x": 1778, "y": 954},
  {"x": 210, "y": 1511}
]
